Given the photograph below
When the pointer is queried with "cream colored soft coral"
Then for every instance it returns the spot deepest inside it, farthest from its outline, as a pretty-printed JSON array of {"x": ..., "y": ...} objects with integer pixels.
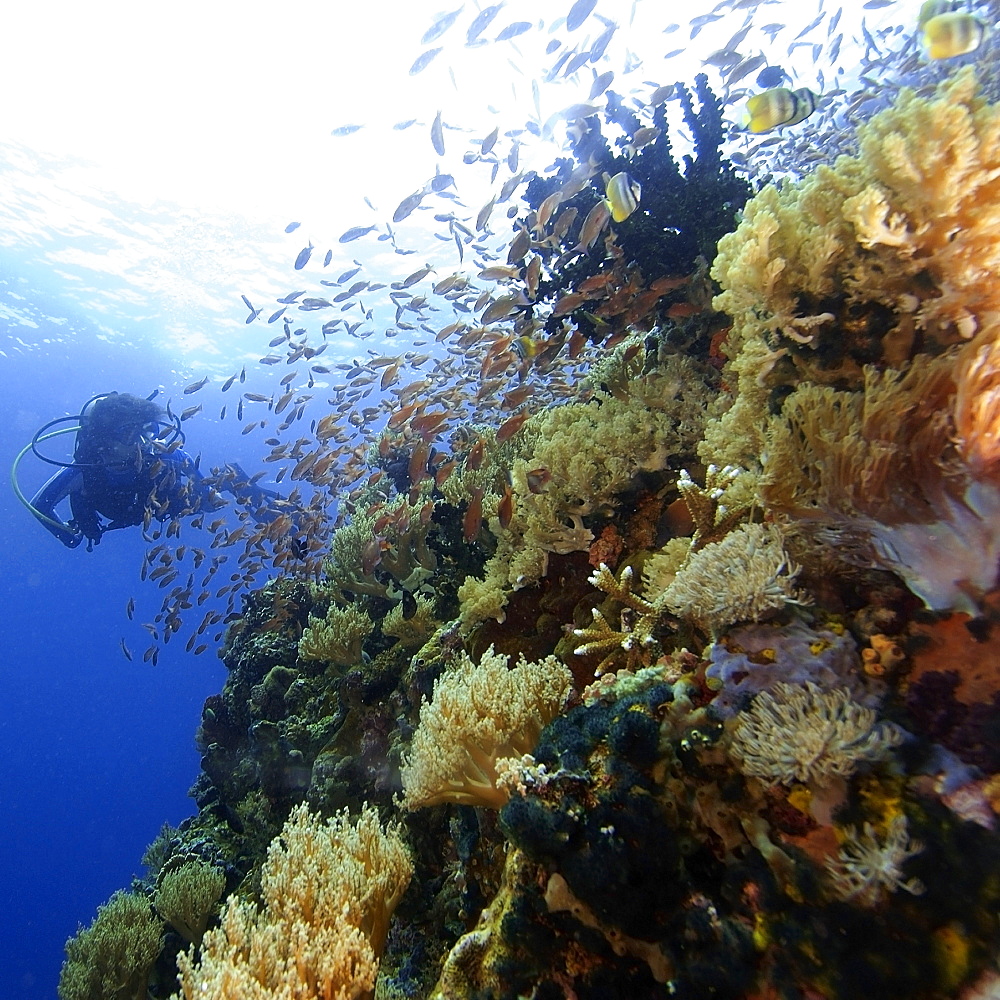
[
  {"x": 878, "y": 257},
  {"x": 802, "y": 733},
  {"x": 902, "y": 475},
  {"x": 479, "y": 714},
  {"x": 328, "y": 890},
  {"x": 741, "y": 578}
]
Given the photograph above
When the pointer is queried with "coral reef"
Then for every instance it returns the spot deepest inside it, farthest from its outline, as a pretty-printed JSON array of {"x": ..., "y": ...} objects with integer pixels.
[{"x": 681, "y": 681}]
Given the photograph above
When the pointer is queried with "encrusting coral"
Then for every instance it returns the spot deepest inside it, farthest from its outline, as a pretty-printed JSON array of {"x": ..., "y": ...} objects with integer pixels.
[
  {"x": 328, "y": 890},
  {"x": 479, "y": 714}
]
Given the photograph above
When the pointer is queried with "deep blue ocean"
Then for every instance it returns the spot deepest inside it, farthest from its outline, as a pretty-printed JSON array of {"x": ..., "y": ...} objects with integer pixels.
[{"x": 97, "y": 752}]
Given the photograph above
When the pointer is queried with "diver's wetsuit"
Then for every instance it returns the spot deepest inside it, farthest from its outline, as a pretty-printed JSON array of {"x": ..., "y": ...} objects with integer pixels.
[
  {"x": 121, "y": 496},
  {"x": 123, "y": 474}
]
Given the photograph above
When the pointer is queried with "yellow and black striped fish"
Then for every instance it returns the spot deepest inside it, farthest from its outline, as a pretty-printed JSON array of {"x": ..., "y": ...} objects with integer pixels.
[
  {"x": 622, "y": 194},
  {"x": 948, "y": 35},
  {"x": 778, "y": 106}
]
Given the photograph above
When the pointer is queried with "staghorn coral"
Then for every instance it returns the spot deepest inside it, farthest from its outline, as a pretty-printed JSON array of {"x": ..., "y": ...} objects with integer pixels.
[
  {"x": 880, "y": 257},
  {"x": 328, "y": 891},
  {"x": 712, "y": 517},
  {"x": 867, "y": 867},
  {"x": 744, "y": 577},
  {"x": 634, "y": 640},
  {"x": 478, "y": 714},
  {"x": 112, "y": 958},
  {"x": 187, "y": 892},
  {"x": 892, "y": 480},
  {"x": 805, "y": 734},
  {"x": 338, "y": 637}
]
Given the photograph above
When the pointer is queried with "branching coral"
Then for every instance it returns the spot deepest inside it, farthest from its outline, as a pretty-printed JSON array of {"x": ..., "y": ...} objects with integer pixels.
[
  {"x": 112, "y": 958},
  {"x": 744, "y": 577},
  {"x": 634, "y": 640},
  {"x": 338, "y": 637},
  {"x": 479, "y": 714},
  {"x": 867, "y": 868},
  {"x": 713, "y": 519},
  {"x": 328, "y": 891},
  {"x": 808, "y": 735}
]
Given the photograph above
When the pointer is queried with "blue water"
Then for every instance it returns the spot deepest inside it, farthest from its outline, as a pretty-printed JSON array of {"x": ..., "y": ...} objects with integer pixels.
[{"x": 97, "y": 752}]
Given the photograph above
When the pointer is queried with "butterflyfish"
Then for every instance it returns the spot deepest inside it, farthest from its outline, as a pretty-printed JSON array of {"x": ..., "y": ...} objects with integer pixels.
[
  {"x": 949, "y": 35},
  {"x": 622, "y": 193},
  {"x": 778, "y": 106},
  {"x": 931, "y": 8}
]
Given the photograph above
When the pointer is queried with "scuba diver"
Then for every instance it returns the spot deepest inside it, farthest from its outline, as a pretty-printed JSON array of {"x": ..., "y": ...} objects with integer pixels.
[{"x": 128, "y": 468}]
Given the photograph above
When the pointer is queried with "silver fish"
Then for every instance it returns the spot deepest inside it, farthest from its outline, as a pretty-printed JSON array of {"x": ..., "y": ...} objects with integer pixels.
[
  {"x": 437, "y": 134},
  {"x": 423, "y": 61},
  {"x": 513, "y": 30},
  {"x": 355, "y": 233},
  {"x": 579, "y": 13},
  {"x": 440, "y": 26},
  {"x": 481, "y": 22}
]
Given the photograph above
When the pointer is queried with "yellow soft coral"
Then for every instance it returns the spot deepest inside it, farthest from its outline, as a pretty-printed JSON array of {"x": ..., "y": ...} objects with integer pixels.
[
  {"x": 877, "y": 258},
  {"x": 328, "y": 890},
  {"x": 338, "y": 637},
  {"x": 900, "y": 475},
  {"x": 478, "y": 715}
]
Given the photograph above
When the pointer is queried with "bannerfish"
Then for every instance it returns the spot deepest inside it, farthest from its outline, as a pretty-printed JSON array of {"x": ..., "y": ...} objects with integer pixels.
[
  {"x": 778, "y": 106},
  {"x": 948, "y": 35},
  {"x": 622, "y": 193},
  {"x": 931, "y": 8}
]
